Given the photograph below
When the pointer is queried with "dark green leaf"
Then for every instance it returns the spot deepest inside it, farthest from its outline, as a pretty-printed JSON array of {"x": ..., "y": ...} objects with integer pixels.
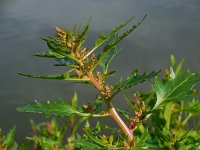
[
  {"x": 83, "y": 35},
  {"x": 125, "y": 113},
  {"x": 65, "y": 76},
  {"x": 110, "y": 46},
  {"x": 135, "y": 78},
  {"x": 175, "y": 89},
  {"x": 112, "y": 53},
  {"x": 102, "y": 38},
  {"x": 87, "y": 145}
]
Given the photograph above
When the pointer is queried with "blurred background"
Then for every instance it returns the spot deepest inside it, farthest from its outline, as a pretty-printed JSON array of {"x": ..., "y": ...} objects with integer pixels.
[{"x": 172, "y": 27}]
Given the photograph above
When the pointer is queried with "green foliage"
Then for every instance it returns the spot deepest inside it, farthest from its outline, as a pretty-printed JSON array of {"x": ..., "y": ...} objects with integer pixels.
[
  {"x": 158, "y": 119},
  {"x": 65, "y": 76},
  {"x": 177, "y": 88},
  {"x": 58, "y": 108},
  {"x": 7, "y": 141},
  {"x": 135, "y": 78},
  {"x": 105, "y": 61}
]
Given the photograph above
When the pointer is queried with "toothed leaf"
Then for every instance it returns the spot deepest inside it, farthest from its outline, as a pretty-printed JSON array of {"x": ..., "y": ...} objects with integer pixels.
[
  {"x": 102, "y": 38},
  {"x": 112, "y": 53},
  {"x": 135, "y": 78},
  {"x": 175, "y": 89},
  {"x": 109, "y": 47},
  {"x": 58, "y": 108},
  {"x": 65, "y": 76}
]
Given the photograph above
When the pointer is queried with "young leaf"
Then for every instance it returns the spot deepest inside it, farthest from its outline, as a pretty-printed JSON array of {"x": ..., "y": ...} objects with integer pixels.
[
  {"x": 179, "y": 67},
  {"x": 175, "y": 89},
  {"x": 173, "y": 60},
  {"x": 58, "y": 108}
]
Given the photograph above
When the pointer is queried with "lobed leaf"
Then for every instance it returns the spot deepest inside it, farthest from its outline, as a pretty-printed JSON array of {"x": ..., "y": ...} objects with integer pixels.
[{"x": 175, "y": 89}]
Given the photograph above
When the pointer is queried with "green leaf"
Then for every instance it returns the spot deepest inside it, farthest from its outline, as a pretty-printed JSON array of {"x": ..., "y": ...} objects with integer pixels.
[
  {"x": 172, "y": 75},
  {"x": 112, "y": 53},
  {"x": 193, "y": 107},
  {"x": 175, "y": 89},
  {"x": 58, "y": 108},
  {"x": 9, "y": 138},
  {"x": 109, "y": 47},
  {"x": 83, "y": 35},
  {"x": 173, "y": 60},
  {"x": 135, "y": 78},
  {"x": 102, "y": 38},
  {"x": 51, "y": 54},
  {"x": 125, "y": 113},
  {"x": 74, "y": 100},
  {"x": 65, "y": 76},
  {"x": 86, "y": 145},
  {"x": 179, "y": 67},
  {"x": 44, "y": 143},
  {"x": 56, "y": 47}
]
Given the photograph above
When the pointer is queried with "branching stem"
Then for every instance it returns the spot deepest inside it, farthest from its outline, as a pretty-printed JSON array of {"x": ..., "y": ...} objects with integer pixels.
[{"x": 112, "y": 112}]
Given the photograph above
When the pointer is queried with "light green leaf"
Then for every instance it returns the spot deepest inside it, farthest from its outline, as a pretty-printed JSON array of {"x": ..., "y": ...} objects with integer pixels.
[
  {"x": 172, "y": 75},
  {"x": 179, "y": 67},
  {"x": 58, "y": 108},
  {"x": 173, "y": 60},
  {"x": 9, "y": 138},
  {"x": 193, "y": 107},
  {"x": 175, "y": 89},
  {"x": 74, "y": 100}
]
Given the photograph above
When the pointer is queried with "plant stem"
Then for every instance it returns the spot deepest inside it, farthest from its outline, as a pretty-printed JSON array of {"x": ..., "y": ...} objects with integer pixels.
[
  {"x": 120, "y": 123},
  {"x": 113, "y": 113}
]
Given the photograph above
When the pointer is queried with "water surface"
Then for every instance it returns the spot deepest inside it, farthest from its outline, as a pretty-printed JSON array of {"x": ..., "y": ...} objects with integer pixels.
[{"x": 172, "y": 27}]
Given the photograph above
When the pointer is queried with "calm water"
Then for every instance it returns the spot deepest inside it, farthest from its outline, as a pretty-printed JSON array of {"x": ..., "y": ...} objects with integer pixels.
[{"x": 172, "y": 27}]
